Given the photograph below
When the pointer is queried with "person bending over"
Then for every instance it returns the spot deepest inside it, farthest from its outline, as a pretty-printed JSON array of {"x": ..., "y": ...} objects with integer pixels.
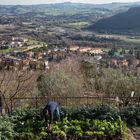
[{"x": 49, "y": 112}]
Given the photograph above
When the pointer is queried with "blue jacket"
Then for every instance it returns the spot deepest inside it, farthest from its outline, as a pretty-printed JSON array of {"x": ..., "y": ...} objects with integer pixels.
[{"x": 51, "y": 107}]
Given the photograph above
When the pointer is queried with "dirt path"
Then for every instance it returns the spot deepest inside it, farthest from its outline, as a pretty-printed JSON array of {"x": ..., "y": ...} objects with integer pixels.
[{"x": 133, "y": 133}]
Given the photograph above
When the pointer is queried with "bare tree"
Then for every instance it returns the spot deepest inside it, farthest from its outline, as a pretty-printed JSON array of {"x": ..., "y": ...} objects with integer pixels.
[{"x": 15, "y": 84}]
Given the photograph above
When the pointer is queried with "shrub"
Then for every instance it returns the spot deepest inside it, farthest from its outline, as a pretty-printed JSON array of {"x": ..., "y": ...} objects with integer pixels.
[
  {"x": 6, "y": 128},
  {"x": 82, "y": 113},
  {"x": 59, "y": 83},
  {"x": 28, "y": 124},
  {"x": 131, "y": 115}
]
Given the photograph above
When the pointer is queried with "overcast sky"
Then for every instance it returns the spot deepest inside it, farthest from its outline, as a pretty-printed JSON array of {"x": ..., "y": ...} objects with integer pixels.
[{"x": 8, "y": 2}]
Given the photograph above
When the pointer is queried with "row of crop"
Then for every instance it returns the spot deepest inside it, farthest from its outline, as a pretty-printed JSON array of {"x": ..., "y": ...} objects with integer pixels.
[
  {"x": 82, "y": 122},
  {"x": 89, "y": 128},
  {"x": 130, "y": 115}
]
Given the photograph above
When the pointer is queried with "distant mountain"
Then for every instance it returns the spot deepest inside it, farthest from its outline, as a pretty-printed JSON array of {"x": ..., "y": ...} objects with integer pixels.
[
  {"x": 52, "y": 9},
  {"x": 122, "y": 22},
  {"x": 117, "y": 5},
  {"x": 65, "y": 8}
]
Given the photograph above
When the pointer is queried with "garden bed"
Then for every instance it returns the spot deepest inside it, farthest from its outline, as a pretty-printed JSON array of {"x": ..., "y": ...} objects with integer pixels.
[{"x": 98, "y": 123}]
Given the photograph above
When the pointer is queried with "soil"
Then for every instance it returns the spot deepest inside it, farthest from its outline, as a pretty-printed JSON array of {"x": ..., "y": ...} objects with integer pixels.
[{"x": 133, "y": 133}]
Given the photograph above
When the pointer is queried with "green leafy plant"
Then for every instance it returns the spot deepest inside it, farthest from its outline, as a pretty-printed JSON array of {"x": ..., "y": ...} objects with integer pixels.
[
  {"x": 75, "y": 123},
  {"x": 131, "y": 115},
  {"x": 6, "y": 128},
  {"x": 89, "y": 127},
  {"x": 28, "y": 125},
  {"x": 100, "y": 112}
]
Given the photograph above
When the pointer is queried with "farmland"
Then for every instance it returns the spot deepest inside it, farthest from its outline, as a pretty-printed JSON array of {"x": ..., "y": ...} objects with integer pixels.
[
  {"x": 79, "y": 24},
  {"x": 76, "y": 123}
]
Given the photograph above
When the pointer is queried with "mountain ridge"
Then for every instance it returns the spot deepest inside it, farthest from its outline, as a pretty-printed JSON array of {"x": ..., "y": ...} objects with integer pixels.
[
  {"x": 126, "y": 21},
  {"x": 63, "y": 7}
]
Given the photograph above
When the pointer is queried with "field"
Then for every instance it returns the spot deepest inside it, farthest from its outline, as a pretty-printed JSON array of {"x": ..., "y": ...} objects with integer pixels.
[
  {"x": 100, "y": 122},
  {"x": 130, "y": 40},
  {"x": 26, "y": 46},
  {"x": 122, "y": 39},
  {"x": 79, "y": 24},
  {"x": 5, "y": 51}
]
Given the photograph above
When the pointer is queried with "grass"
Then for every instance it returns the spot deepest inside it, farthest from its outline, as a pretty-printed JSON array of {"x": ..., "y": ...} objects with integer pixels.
[
  {"x": 28, "y": 43},
  {"x": 5, "y": 51},
  {"x": 82, "y": 23},
  {"x": 106, "y": 50},
  {"x": 123, "y": 39},
  {"x": 128, "y": 40},
  {"x": 34, "y": 42},
  {"x": 79, "y": 24}
]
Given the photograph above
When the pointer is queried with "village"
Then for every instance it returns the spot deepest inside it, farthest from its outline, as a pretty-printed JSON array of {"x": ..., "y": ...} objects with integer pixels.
[
  {"x": 35, "y": 45},
  {"x": 38, "y": 56}
]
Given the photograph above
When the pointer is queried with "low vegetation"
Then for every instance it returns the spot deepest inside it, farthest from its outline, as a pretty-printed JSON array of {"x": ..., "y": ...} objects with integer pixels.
[
  {"x": 131, "y": 115},
  {"x": 75, "y": 123}
]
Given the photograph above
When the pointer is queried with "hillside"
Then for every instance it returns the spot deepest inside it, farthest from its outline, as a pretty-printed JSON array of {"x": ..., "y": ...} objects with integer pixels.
[
  {"x": 123, "y": 22},
  {"x": 65, "y": 8},
  {"x": 52, "y": 9}
]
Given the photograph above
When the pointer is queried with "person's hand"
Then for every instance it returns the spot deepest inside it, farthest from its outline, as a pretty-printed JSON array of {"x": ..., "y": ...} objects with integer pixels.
[{"x": 50, "y": 127}]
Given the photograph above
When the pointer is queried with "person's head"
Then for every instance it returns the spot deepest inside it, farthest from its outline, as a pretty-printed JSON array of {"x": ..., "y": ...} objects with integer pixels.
[{"x": 44, "y": 113}]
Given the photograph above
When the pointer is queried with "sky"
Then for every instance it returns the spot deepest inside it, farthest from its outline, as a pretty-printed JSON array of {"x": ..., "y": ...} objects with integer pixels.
[{"x": 29, "y": 2}]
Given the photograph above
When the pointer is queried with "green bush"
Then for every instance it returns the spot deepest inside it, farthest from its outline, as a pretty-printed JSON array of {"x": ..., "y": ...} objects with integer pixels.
[
  {"x": 131, "y": 115},
  {"x": 28, "y": 124},
  {"x": 82, "y": 113},
  {"x": 6, "y": 128}
]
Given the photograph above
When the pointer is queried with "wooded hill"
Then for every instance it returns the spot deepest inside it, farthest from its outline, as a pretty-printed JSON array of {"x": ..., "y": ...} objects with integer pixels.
[
  {"x": 67, "y": 8},
  {"x": 123, "y": 22}
]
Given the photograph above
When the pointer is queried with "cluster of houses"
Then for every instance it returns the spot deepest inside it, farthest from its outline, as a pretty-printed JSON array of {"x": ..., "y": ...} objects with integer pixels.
[
  {"x": 126, "y": 61},
  {"x": 13, "y": 42},
  {"x": 118, "y": 62},
  {"x": 34, "y": 60},
  {"x": 129, "y": 63},
  {"x": 18, "y": 64},
  {"x": 88, "y": 50},
  {"x": 50, "y": 55},
  {"x": 31, "y": 59}
]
